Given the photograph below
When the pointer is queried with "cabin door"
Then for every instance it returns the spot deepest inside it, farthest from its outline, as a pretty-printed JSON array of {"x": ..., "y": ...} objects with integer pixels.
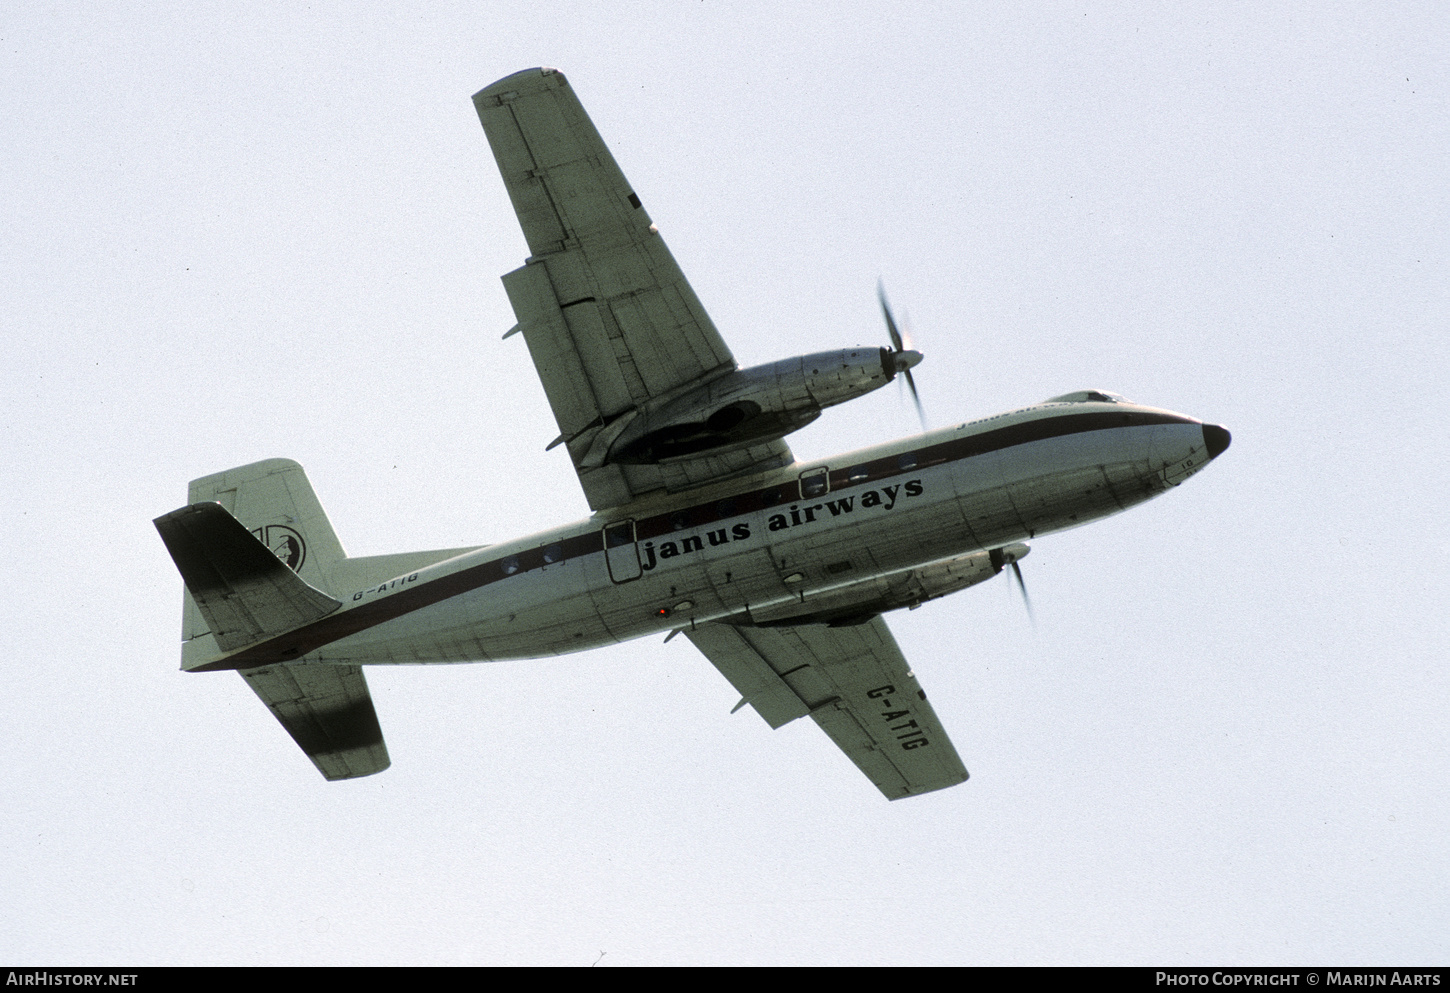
[{"x": 621, "y": 552}]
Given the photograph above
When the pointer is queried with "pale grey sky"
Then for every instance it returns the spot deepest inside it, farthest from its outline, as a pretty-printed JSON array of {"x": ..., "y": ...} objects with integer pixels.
[{"x": 246, "y": 231}]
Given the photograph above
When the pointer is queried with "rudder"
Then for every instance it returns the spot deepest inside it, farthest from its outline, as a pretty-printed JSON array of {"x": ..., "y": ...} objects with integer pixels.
[{"x": 273, "y": 500}]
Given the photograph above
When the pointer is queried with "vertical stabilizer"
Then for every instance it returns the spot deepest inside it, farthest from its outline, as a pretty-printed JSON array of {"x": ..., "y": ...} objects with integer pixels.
[{"x": 275, "y": 502}]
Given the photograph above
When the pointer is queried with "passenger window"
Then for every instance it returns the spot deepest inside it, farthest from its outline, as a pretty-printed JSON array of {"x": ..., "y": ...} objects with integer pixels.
[
  {"x": 771, "y": 498},
  {"x": 553, "y": 553},
  {"x": 510, "y": 565}
]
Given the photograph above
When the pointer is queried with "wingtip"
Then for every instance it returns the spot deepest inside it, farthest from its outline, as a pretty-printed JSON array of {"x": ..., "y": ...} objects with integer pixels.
[{"x": 515, "y": 79}]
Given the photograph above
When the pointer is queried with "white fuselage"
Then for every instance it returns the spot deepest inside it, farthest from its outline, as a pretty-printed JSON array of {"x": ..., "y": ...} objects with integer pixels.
[{"x": 763, "y": 546}]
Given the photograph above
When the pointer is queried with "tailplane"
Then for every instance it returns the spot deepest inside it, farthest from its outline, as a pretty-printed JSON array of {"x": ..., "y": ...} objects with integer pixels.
[
  {"x": 275, "y": 502},
  {"x": 259, "y": 559},
  {"x": 244, "y": 591},
  {"x": 256, "y": 553}
]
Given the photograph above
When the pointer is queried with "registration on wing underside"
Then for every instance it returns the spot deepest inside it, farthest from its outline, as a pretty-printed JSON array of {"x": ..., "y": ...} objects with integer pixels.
[
  {"x": 854, "y": 682},
  {"x": 610, "y": 321}
]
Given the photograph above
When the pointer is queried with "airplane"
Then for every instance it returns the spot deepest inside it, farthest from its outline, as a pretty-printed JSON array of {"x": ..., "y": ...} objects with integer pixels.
[{"x": 703, "y": 522}]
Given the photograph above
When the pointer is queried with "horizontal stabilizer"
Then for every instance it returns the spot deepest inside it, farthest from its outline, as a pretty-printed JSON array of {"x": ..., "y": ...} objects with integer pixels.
[
  {"x": 328, "y": 711},
  {"x": 243, "y": 590}
]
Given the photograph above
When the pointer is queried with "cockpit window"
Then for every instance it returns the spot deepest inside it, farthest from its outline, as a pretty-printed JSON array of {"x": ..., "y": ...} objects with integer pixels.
[{"x": 1090, "y": 396}]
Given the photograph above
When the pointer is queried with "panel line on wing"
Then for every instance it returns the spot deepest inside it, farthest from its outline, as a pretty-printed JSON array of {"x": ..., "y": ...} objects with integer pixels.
[{"x": 854, "y": 683}]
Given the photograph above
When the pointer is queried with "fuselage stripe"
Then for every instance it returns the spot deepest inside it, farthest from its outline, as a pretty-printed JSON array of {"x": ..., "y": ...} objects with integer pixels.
[{"x": 342, "y": 623}]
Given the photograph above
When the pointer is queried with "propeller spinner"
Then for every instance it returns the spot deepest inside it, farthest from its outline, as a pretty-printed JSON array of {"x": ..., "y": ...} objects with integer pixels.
[{"x": 1011, "y": 555}]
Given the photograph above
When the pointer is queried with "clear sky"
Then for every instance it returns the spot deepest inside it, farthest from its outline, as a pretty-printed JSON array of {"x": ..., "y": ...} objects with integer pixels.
[{"x": 235, "y": 232}]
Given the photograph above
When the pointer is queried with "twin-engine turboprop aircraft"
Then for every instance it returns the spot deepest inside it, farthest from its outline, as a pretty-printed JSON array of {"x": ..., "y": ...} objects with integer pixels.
[{"x": 704, "y": 523}]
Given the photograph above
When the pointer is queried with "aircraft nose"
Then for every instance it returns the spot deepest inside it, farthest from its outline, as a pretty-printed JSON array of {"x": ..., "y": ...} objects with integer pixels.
[{"x": 1217, "y": 438}]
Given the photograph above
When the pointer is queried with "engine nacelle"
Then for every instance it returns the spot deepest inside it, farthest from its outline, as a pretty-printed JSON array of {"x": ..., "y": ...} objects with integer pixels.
[
  {"x": 749, "y": 405},
  {"x": 859, "y": 602}
]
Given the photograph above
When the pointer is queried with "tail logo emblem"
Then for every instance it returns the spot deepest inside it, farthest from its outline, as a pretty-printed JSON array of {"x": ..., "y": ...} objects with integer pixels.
[{"x": 285, "y": 543}]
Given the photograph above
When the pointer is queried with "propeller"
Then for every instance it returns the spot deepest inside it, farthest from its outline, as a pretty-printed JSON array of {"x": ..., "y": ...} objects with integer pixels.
[
  {"x": 903, "y": 357},
  {"x": 1011, "y": 555},
  {"x": 1026, "y": 600}
]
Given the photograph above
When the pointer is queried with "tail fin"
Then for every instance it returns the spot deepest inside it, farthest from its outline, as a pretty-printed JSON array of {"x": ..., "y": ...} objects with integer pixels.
[
  {"x": 256, "y": 553},
  {"x": 274, "y": 500},
  {"x": 244, "y": 590}
]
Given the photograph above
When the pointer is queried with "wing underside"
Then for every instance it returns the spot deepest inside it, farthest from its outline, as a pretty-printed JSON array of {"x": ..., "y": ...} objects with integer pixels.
[
  {"x": 610, "y": 322},
  {"x": 854, "y": 683}
]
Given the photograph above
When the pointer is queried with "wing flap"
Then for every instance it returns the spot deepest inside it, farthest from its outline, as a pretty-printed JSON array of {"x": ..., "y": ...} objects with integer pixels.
[
  {"x": 552, "y": 347},
  {"x": 329, "y": 713},
  {"x": 610, "y": 321},
  {"x": 749, "y": 672},
  {"x": 855, "y": 684}
]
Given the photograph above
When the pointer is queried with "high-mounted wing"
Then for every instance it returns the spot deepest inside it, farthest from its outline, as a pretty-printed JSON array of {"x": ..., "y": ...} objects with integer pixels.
[
  {"x": 856, "y": 685},
  {"x": 610, "y": 322}
]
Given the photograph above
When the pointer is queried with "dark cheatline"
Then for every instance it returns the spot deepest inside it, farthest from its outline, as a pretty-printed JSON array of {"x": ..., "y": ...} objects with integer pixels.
[{"x": 339, "y": 625}]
